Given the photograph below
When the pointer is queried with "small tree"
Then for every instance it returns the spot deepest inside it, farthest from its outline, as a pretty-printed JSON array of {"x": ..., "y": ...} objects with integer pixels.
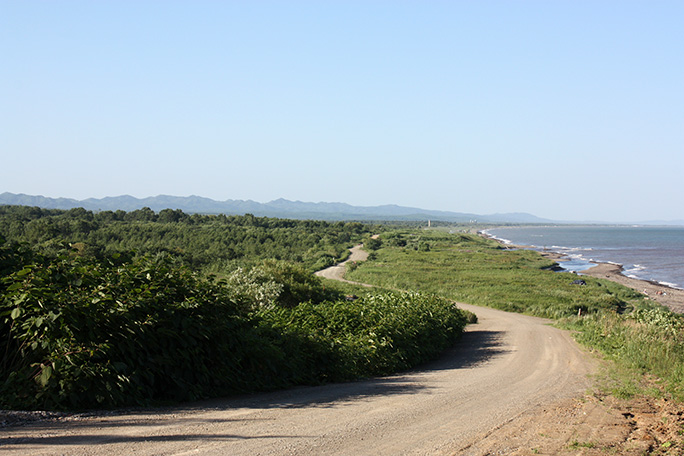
[
  {"x": 372, "y": 243},
  {"x": 253, "y": 289}
]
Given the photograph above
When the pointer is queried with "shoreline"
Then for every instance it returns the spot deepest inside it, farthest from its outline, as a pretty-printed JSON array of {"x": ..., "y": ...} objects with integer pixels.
[{"x": 672, "y": 298}]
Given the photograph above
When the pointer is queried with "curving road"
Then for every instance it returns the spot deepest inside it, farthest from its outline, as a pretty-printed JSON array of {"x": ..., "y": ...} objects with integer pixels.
[
  {"x": 337, "y": 272},
  {"x": 504, "y": 366}
]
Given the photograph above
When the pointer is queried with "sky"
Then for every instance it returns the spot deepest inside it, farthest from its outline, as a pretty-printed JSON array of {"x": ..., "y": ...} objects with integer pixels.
[{"x": 569, "y": 110}]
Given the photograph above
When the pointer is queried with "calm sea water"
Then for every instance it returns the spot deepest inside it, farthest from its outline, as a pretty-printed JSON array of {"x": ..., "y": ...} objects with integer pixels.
[{"x": 649, "y": 253}]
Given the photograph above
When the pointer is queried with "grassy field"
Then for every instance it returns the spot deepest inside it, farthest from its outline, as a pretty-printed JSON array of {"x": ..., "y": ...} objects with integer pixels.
[
  {"x": 641, "y": 337},
  {"x": 469, "y": 268}
]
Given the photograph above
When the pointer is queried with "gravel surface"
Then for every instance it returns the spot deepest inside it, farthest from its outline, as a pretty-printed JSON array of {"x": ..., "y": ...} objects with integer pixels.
[
  {"x": 337, "y": 272},
  {"x": 503, "y": 367},
  {"x": 480, "y": 398}
]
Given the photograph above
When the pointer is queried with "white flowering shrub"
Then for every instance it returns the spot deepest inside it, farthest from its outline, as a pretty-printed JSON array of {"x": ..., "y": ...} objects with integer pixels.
[{"x": 254, "y": 289}]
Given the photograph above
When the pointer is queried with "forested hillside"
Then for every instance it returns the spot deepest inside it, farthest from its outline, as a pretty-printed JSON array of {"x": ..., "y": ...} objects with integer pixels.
[{"x": 208, "y": 242}]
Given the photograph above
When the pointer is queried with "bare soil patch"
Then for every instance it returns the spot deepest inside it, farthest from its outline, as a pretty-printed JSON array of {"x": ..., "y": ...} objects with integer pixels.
[{"x": 592, "y": 425}]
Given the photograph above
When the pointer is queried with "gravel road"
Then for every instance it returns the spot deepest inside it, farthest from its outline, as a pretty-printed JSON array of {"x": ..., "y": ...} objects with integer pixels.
[
  {"x": 337, "y": 272},
  {"x": 503, "y": 367}
]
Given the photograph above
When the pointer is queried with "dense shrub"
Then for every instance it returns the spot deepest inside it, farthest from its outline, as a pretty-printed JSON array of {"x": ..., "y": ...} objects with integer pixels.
[
  {"x": 377, "y": 334},
  {"x": 275, "y": 283},
  {"x": 78, "y": 332},
  {"x": 82, "y": 333}
]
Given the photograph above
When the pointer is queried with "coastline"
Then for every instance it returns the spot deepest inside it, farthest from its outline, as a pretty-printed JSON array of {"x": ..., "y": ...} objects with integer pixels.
[{"x": 672, "y": 298}]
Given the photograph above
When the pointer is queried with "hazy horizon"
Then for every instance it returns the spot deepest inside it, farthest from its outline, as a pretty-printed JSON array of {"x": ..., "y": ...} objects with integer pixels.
[
  {"x": 665, "y": 222},
  {"x": 565, "y": 110}
]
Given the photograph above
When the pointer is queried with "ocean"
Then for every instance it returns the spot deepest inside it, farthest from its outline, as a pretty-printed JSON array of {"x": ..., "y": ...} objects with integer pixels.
[{"x": 645, "y": 252}]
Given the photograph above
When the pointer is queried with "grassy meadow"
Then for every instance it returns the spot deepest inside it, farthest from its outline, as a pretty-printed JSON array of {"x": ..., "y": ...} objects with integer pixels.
[{"x": 640, "y": 336}]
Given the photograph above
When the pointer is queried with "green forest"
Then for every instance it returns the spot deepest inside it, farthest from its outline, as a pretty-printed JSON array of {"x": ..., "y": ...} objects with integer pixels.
[
  {"x": 114, "y": 309},
  {"x": 203, "y": 242}
]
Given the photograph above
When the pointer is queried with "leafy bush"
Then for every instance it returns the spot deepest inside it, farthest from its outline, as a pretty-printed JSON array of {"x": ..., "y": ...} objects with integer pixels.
[
  {"x": 372, "y": 243},
  {"x": 78, "y": 332},
  {"x": 275, "y": 283},
  {"x": 254, "y": 288},
  {"x": 378, "y": 334},
  {"x": 657, "y": 316},
  {"x": 298, "y": 284},
  {"x": 81, "y": 333}
]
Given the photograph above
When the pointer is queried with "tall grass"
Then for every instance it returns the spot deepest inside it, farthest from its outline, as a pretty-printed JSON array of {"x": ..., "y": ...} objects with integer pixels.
[
  {"x": 478, "y": 271},
  {"x": 639, "y": 336},
  {"x": 648, "y": 340}
]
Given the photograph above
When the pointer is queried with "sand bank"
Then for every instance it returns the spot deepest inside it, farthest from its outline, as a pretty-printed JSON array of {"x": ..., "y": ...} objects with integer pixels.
[{"x": 662, "y": 294}]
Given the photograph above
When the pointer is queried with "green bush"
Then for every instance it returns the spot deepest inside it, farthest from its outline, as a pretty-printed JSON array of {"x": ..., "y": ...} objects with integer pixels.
[
  {"x": 298, "y": 284},
  {"x": 81, "y": 333},
  {"x": 77, "y": 332},
  {"x": 371, "y": 243},
  {"x": 378, "y": 334}
]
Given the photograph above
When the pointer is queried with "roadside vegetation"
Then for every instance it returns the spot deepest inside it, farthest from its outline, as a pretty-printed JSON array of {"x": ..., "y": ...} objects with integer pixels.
[
  {"x": 85, "y": 323},
  {"x": 644, "y": 339},
  {"x": 116, "y": 309}
]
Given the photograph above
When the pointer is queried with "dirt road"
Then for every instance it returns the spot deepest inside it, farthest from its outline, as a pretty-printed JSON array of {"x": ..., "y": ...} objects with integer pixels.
[
  {"x": 337, "y": 272},
  {"x": 504, "y": 366}
]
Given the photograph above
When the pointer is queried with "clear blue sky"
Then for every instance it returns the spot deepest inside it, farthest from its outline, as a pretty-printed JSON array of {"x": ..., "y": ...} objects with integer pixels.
[{"x": 569, "y": 110}]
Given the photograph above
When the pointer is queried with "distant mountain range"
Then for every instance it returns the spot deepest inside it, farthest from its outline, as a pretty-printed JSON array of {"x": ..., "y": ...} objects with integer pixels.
[
  {"x": 278, "y": 208},
  {"x": 283, "y": 208}
]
